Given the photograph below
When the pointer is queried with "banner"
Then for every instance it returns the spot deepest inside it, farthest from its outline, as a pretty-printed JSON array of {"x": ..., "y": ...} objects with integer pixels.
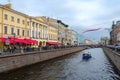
[{"x": 91, "y": 30}]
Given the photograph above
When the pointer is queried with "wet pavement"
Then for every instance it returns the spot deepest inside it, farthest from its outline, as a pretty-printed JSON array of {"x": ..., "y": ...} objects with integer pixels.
[{"x": 70, "y": 67}]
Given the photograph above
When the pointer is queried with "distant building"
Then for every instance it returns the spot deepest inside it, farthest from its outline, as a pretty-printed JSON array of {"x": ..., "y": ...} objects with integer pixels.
[
  {"x": 62, "y": 27},
  {"x": 114, "y": 34},
  {"x": 88, "y": 42},
  {"x": 104, "y": 40},
  {"x": 80, "y": 39},
  {"x": 74, "y": 37}
]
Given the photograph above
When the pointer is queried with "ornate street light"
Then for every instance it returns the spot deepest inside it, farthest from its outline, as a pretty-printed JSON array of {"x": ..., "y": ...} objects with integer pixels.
[{"x": 14, "y": 38}]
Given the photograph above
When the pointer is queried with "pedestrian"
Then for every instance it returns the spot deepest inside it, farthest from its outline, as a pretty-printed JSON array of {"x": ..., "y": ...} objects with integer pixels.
[{"x": 10, "y": 49}]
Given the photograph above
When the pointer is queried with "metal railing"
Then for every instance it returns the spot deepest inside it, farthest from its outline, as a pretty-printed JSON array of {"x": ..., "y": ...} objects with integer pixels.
[
  {"x": 113, "y": 47},
  {"x": 29, "y": 50}
]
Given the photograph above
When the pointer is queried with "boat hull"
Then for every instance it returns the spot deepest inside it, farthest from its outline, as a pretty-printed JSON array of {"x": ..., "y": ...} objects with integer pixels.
[{"x": 86, "y": 56}]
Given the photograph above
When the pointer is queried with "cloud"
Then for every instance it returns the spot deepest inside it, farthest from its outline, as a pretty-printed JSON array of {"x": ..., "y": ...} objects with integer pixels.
[{"x": 86, "y": 12}]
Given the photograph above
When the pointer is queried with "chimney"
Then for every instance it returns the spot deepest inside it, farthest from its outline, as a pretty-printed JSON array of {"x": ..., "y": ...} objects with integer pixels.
[{"x": 8, "y": 6}]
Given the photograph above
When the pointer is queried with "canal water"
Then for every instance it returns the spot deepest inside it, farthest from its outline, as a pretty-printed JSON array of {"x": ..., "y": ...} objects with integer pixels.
[{"x": 70, "y": 67}]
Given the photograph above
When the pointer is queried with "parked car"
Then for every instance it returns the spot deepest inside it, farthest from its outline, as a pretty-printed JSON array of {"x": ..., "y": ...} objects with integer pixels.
[
  {"x": 0, "y": 52},
  {"x": 117, "y": 47}
]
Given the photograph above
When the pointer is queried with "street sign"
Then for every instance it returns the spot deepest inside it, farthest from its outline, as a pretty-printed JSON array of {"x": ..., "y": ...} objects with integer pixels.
[{"x": 7, "y": 41}]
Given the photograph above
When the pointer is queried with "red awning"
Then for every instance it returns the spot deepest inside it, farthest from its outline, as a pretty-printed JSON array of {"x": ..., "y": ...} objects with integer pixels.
[
  {"x": 30, "y": 41},
  {"x": 53, "y": 43},
  {"x": 3, "y": 39},
  {"x": 16, "y": 40},
  {"x": 25, "y": 41}
]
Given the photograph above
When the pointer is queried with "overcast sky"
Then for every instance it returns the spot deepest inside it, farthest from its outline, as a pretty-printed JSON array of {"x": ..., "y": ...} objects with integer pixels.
[{"x": 80, "y": 15}]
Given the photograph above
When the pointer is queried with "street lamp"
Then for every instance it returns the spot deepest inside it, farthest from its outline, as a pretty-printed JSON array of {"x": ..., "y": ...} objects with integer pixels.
[{"x": 14, "y": 38}]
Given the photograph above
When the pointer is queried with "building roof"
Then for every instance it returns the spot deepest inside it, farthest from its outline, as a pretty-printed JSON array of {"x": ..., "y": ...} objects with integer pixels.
[
  {"x": 12, "y": 10},
  {"x": 59, "y": 21}
]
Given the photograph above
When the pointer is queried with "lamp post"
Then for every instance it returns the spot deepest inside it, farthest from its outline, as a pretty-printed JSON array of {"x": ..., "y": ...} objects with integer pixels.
[{"x": 14, "y": 38}]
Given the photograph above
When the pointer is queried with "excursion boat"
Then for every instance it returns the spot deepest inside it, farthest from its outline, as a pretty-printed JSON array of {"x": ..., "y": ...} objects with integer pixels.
[{"x": 86, "y": 56}]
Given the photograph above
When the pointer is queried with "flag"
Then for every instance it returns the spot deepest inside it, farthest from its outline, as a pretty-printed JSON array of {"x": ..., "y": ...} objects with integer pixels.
[{"x": 91, "y": 30}]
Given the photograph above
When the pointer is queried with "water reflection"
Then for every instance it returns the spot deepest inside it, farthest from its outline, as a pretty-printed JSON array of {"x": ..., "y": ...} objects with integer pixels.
[{"x": 70, "y": 67}]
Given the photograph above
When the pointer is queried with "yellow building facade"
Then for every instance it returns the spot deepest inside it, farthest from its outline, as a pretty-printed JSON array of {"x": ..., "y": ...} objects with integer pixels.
[
  {"x": 13, "y": 23},
  {"x": 52, "y": 33},
  {"x": 39, "y": 31},
  {"x": 51, "y": 29},
  {"x": 62, "y": 32},
  {"x": 43, "y": 29}
]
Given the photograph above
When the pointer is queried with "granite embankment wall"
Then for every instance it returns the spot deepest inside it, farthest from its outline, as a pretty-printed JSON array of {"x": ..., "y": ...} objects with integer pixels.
[
  {"x": 113, "y": 56},
  {"x": 15, "y": 61}
]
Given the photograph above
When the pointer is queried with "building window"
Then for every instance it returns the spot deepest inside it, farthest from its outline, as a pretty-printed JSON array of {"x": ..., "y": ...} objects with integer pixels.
[
  {"x": 28, "y": 33},
  {"x": 18, "y": 31},
  {"x": 12, "y": 18},
  {"x": 18, "y": 20},
  {"x": 12, "y": 31},
  {"x": 23, "y": 21},
  {"x": 5, "y": 29},
  {"x": 49, "y": 36},
  {"x": 39, "y": 34},
  {"x": 33, "y": 34},
  {"x": 118, "y": 23},
  {"x": 28, "y": 23},
  {"x": 23, "y": 32},
  {"x": 6, "y": 17},
  {"x": 58, "y": 38}
]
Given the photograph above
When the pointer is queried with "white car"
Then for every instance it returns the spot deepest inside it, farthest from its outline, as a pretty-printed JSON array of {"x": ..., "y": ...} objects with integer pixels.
[{"x": 117, "y": 47}]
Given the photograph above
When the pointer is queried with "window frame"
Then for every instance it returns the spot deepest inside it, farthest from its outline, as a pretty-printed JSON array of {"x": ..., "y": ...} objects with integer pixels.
[
  {"x": 5, "y": 29},
  {"x": 12, "y": 19},
  {"x": 18, "y": 20},
  {"x": 23, "y": 32},
  {"x": 12, "y": 30},
  {"x": 5, "y": 16},
  {"x": 18, "y": 31}
]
